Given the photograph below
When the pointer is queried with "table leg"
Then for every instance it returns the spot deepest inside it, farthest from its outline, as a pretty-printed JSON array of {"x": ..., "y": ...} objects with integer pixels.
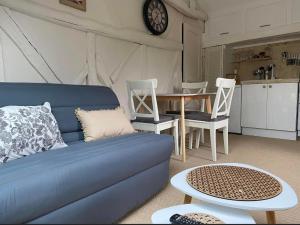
[
  {"x": 187, "y": 199},
  {"x": 271, "y": 217},
  {"x": 183, "y": 150},
  {"x": 208, "y": 105}
]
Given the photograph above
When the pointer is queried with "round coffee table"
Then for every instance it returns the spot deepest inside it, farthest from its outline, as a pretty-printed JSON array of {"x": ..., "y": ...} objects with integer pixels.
[
  {"x": 286, "y": 200},
  {"x": 226, "y": 215}
]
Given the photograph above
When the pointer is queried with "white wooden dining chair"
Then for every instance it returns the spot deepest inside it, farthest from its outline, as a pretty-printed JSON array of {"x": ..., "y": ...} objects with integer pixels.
[
  {"x": 194, "y": 88},
  {"x": 145, "y": 117},
  {"x": 198, "y": 88},
  {"x": 219, "y": 117}
]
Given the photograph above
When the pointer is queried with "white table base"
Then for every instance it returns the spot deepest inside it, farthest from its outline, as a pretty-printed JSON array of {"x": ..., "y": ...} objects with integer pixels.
[{"x": 286, "y": 200}]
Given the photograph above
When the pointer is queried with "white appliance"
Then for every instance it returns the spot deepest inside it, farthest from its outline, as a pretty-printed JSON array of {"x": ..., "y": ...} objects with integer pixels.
[{"x": 235, "y": 113}]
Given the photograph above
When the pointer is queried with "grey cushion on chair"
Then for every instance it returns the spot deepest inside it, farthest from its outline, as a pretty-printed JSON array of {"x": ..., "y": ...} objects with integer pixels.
[
  {"x": 179, "y": 112},
  {"x": 162, "y": 119},
  {"x": 203, "y": 116}
]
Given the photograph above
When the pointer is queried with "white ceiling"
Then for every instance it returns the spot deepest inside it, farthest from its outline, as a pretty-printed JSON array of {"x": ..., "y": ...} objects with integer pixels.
[{"x": 216, "y": 5}]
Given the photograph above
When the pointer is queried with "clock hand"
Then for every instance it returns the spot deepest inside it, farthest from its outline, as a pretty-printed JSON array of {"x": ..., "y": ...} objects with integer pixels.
[{"x": 155, "y": 18}]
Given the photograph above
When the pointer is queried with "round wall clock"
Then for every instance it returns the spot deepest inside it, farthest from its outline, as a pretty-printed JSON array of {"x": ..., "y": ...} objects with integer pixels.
[{"x": 156, "y": 16}]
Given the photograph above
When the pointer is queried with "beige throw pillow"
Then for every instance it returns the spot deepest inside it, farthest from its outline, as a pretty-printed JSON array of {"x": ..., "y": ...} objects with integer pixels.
[{"x": 100, "y": 124}]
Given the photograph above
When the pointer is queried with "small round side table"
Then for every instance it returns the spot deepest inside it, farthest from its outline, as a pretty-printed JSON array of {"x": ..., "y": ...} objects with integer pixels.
[{"x": 226, "y": 215}]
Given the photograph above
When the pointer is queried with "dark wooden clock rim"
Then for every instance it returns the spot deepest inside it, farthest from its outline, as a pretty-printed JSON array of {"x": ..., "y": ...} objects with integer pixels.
[{"x": 146, "y": 19}]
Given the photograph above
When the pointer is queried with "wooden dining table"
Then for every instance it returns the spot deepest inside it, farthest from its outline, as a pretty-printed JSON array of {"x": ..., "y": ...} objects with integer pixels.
[{"x": 183, "y": 98}]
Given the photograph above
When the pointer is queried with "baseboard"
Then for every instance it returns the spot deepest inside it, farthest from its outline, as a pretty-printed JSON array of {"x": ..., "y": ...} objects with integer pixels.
[{"x": 270, "y": 133}]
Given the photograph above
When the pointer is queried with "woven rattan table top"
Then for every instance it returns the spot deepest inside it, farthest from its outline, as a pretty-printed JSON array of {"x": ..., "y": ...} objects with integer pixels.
[
  {"x": 204, "y": 218},
  {"x": 234, "y": 183}
]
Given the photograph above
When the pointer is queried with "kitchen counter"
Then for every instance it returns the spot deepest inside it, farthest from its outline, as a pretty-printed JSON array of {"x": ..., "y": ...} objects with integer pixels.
[{"x": 277, "y": 81}]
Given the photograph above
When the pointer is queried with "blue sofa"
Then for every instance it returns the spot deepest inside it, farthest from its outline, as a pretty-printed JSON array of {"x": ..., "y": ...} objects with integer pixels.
[{"x": 96, "y": 182}]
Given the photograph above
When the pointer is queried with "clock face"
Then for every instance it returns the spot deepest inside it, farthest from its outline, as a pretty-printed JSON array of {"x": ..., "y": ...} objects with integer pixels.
[{"x": 156, "y": 16}]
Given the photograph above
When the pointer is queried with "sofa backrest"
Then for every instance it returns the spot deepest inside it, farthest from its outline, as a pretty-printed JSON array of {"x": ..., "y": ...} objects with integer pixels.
[{"x": 64, "y": 99}]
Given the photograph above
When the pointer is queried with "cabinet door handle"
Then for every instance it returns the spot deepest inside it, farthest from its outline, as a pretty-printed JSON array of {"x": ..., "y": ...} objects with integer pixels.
[
  {"x": 225, "y": 33},
  {"x": 264, "y": 86},
  {"x": 265, "y": 25},
  {"x": 270, "y": 86}
]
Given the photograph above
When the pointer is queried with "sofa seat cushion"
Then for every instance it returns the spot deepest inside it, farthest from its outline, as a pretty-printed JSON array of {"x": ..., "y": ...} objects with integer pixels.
[{"x": 36, "y": 185}]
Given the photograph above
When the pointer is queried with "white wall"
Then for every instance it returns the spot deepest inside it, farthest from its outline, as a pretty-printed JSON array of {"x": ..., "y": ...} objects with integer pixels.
[
  {"x": 119, "y": 13},
  {"x": 43, "y": 41}
]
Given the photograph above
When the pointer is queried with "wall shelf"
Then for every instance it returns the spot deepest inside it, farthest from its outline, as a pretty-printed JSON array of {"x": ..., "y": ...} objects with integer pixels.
[{"x": 254, "y": 60}]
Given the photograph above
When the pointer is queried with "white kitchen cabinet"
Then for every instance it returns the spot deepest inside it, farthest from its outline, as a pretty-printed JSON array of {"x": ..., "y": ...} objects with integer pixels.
[
  {"x": 254, "y": 106},
  {"x": 282, "y": 106},
  {"x": 266, "y": 16},
  {"x": 235, "y": 112},
  {"x": 251, "y": 21},
  {"x": 225, "y": 25},
  {"x": 295, "y": 11},
  {"x": 270, "y": 110}
]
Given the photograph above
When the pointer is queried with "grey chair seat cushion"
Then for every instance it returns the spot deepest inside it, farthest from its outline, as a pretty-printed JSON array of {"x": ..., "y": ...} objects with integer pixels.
[
  {"x": 178, "y": 112},
  {"x": 203, "y": 116},
  {"x": 39, "y": 184},
  {"x": 162, "y": 119}
]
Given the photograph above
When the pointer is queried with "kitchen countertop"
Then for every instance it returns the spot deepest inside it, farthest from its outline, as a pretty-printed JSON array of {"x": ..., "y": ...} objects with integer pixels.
[{"x": 277, "y": 81}]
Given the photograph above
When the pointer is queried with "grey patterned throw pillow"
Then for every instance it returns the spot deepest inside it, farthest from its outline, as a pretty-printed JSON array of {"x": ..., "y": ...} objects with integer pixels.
[{"x": 26, "y": 130}]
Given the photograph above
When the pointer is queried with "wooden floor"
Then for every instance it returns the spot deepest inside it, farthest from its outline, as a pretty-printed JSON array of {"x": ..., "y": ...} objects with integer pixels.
[{"x": 279, "y": 157}]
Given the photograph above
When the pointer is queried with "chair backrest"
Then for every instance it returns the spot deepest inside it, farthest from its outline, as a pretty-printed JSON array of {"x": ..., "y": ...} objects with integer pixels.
[
  {"x": 196, "y": 88},
  {"x": 224, "y": 96},
  {"x": 138, "y": 91}
]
